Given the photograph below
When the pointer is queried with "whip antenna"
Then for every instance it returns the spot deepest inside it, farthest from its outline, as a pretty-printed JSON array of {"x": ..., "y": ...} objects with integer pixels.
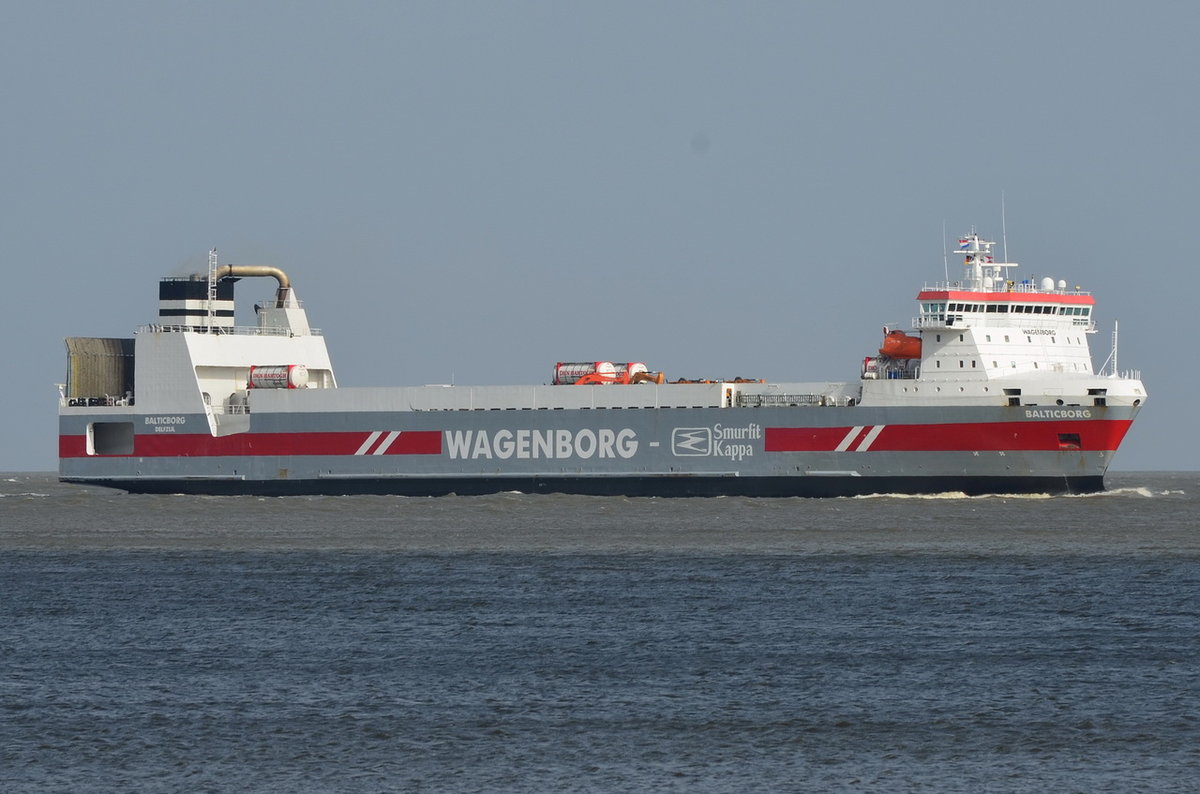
[
  {"x": 1003, "y": 227},
  {"x": 945, "y": 257}
]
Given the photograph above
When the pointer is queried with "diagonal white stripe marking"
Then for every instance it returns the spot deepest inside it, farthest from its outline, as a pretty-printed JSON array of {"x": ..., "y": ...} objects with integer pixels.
[
  {"x": 870, "y": 439},
  {"x": 371, "y": 439},
  {"x": 387, "y": 442},
  {"x": 854, "y": 431}
]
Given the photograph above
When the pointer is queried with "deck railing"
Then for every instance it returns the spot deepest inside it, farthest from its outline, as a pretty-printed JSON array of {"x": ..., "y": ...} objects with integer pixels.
[
  {"x": 235, "y": 330},
  {"x": 1019, "y": 287},
  {"x": 788, "y": 400}
]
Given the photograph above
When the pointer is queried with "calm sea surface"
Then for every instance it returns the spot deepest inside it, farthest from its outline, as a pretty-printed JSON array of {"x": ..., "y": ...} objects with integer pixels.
[{"x": 554, "y": 643}]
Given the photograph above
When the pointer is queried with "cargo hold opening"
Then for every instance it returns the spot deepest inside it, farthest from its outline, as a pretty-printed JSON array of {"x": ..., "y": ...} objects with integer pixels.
[
  {"x": 1069, "y": 441},
  {"x": 110, "y": 438}
]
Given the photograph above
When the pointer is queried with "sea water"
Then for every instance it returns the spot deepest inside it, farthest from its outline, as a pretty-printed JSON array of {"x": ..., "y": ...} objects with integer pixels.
[{"x": 559, "y": 643}]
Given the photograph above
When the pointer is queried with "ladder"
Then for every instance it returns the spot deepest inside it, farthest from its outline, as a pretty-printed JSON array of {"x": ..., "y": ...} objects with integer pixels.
[{"x": 212, "y": 289}]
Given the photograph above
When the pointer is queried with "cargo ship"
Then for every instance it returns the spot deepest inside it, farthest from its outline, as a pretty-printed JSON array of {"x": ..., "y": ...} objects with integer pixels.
[{"x": 991, "y": 390}]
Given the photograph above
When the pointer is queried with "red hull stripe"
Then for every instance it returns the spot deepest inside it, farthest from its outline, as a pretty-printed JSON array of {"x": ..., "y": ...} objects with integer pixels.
[
  {"x": 72, "y": 446},
  {"x": 1094, "y": 434},
  {"x": 182, "y": 445}
]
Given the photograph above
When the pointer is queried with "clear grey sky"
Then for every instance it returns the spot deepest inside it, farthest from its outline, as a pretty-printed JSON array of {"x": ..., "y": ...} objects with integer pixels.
[{"x": 472, "y": 191}]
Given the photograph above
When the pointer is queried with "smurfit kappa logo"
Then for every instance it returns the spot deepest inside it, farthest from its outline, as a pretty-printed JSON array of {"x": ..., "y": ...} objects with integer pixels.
[
  {"x": 687, "y": 441},
  {"x": 717, "y": 441}
]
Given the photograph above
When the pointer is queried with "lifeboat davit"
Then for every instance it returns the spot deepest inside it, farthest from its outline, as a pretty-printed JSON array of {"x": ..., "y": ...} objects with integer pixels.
[{"x": 898, "y": 344}]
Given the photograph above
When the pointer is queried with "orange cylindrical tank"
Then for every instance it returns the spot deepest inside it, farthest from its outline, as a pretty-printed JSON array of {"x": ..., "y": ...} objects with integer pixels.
[{"x": 898, "y": 344}]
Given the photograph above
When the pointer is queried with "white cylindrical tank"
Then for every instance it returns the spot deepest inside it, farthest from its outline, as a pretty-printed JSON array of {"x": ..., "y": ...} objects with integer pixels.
[
  {"x": 279, "y": 376},
  {"x": 596, "y": 372},
  {"x": 635, "y": 368},
  {"x": 567, "y": 372}
]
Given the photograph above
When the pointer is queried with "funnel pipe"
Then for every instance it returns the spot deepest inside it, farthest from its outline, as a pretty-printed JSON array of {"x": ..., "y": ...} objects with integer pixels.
[{"x": 249, "y": 271}]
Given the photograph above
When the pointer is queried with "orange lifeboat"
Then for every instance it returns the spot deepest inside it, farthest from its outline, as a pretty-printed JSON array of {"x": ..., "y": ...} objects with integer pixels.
[{"x": 898, "y": 344}]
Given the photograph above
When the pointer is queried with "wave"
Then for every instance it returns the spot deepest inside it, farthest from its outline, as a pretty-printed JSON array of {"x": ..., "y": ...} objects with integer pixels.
[
  {"x": 1133, "y": 490},
  {"x": 952, "y": 495},
  {"x": 1138, "y": 490}
]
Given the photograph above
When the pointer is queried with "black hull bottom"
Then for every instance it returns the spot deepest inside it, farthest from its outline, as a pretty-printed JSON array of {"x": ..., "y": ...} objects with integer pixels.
[{"x": 681, "y": 486}]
